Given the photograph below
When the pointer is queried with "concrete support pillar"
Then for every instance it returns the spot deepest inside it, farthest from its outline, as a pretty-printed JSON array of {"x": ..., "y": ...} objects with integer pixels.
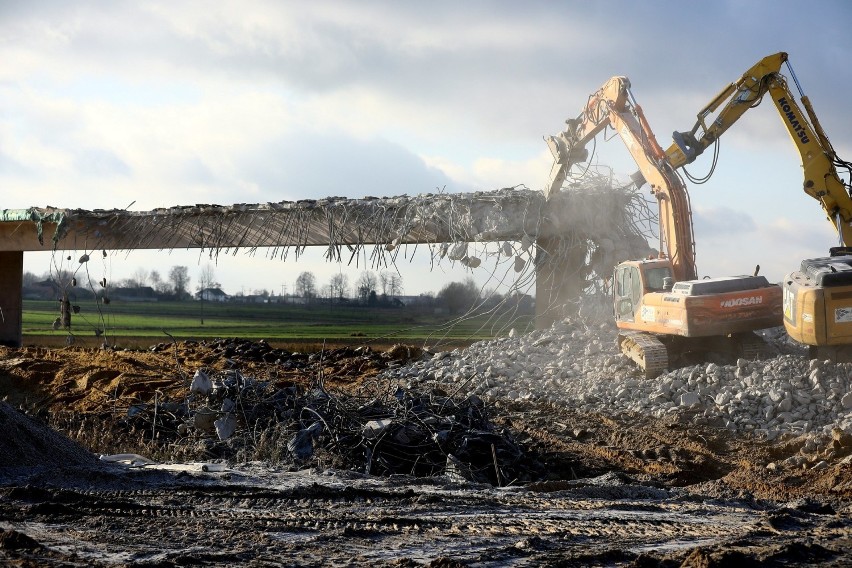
[
  {"x": 11, "y": 306},
  {"x": 559, "y": 279}
]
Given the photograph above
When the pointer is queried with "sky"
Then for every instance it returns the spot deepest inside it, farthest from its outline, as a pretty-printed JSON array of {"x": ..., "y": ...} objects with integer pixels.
[{"x": 138, "y": 105}]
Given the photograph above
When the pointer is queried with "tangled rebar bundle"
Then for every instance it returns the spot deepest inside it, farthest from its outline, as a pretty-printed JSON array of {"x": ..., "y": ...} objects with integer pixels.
[
  {"x": 408, "y": 432},
  {"x": 379, "y": 429}
]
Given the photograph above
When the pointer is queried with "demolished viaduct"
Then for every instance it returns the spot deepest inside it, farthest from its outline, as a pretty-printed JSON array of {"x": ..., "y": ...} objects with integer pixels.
[{"x": 559, "y": 235}]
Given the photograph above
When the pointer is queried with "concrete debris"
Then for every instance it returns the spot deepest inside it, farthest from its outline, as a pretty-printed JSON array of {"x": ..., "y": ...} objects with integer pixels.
[
  {"x": 226, "y": 426},
  {"x": 458, "y": 251},
  {"x": 577, "y": 365},
  {"x": 201, "y": 383},
  {"x": 301, "y": 445},
  {"x": 471, "y": 261},
  {"x": 204, "y": 419},
  {"x": 130, "y": 460},
  {"x": 374, "y": 428}
]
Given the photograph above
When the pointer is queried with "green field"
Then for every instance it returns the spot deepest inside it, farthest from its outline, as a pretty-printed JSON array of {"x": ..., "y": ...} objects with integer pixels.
[{"x": 143, "y": 324}]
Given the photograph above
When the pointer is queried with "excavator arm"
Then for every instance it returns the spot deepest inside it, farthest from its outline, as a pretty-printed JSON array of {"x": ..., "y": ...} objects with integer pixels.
[
  {"x": 741, "y": 95},
  {"x": 613, "y": 106},
  {"x": 819, "y": 160}
]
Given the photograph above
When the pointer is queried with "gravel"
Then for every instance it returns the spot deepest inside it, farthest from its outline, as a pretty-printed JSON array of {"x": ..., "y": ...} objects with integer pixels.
[{"x": 578, "y": 365}]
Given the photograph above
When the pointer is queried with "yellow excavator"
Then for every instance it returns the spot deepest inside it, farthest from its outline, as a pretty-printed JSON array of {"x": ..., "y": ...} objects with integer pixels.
[
  {"x": 663, "y": 311},
  {"x": 817, "y": 298}
]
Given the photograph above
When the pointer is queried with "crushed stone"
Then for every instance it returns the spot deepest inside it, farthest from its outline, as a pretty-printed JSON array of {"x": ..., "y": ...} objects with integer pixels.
[{"x": 578, "y": 365}]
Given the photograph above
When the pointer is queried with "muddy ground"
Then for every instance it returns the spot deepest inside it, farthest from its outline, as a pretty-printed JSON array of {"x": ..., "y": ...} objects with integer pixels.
[{"x": 600, "y": 490}]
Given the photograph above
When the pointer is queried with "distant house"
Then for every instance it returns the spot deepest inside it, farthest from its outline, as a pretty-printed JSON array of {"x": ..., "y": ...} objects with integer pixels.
[
  {"x": 46, "y": 290},
  {"x": 136, "y": 294},
  {"x": 50, "y": 290},
  {"x": 212, "y": 295}
]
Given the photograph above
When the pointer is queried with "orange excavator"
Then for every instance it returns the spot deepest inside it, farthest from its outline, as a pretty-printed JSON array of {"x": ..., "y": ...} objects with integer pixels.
[
  {"x": 663, "y": 311},
  {"x": 818, "y": 296}
]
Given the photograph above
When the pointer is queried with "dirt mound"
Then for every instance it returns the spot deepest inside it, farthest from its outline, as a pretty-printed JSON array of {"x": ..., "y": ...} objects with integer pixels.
[
  {"x": 93, "y": 380},
  {"x": 28, "y": 442},
  {"x": 255, "y": 399}
]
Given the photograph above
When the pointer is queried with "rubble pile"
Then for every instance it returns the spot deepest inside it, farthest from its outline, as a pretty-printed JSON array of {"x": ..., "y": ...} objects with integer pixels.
[
  {"x": 245, "y": 350},
  {"x": 381, "y": 430},
  {"x": 407, "y": 432},
  {"x": 580, "y": 366}
]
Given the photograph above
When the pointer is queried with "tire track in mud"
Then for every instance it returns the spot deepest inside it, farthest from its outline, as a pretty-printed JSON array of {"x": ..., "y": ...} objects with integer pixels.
[{"x": 369, "y": 521}]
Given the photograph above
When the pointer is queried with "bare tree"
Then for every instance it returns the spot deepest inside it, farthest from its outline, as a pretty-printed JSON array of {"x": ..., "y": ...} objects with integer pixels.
[
  {"x": 396, "y": 285},
  {"x": 179, "y": 277},
  {"x": 140, "y": 278},
  {"x": 207, "y": 278},
  {"x": 306, "y": 285},
  {"x": 60, "y": 276},
  {"x": 30, "y": 278},
  {"x": 366, "y": 283},
  {"x": 157, "y": 283},
  {"x": 384, "y": 279},
  {"x": 391, "y": 283},
  {"x": 339, "y": 286}
]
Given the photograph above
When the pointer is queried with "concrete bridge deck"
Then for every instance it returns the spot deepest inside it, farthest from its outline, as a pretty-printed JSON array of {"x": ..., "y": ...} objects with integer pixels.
[
  {"x": 333, "y": 221},
  {"x": 344, "y": 226}
]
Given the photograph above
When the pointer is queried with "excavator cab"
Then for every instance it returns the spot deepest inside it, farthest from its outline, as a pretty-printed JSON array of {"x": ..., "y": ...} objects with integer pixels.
[
  {"x": 818, "y": 305},
  {"x": 634, "y": 279}
]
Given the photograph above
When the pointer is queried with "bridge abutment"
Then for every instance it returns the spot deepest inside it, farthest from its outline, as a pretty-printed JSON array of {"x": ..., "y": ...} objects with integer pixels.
[{"x": 11, "y": 306}]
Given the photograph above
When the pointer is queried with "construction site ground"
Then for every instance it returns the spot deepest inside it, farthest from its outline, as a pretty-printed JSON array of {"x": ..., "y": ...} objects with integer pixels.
[{"x": 602, "y": 490}]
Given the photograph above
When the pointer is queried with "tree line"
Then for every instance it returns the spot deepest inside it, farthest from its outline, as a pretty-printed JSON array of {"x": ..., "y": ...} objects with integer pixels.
[{"x": 369, "y": 289}]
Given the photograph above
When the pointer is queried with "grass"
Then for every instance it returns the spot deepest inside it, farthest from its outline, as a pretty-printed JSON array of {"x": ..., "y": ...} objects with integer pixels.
[{"x": 146, "y": 323}]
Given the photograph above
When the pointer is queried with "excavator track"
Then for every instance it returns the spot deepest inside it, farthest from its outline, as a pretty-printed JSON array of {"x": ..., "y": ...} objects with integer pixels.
[
  {"x": 646, "y": 350},
  {"x": 753, "y": 347}
]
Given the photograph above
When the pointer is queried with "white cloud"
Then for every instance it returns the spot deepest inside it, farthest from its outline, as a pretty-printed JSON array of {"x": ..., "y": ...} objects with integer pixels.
[
  {"x": 721, "y": 223},
  {"x": 778, "y": 247},
  {"x": 168, "y": 103}
]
